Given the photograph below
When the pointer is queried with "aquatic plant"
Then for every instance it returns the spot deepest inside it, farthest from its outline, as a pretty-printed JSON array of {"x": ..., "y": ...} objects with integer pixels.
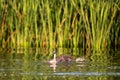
[
  {"x": 50, "y": 24},
  {"x": 98, "y": 17}
]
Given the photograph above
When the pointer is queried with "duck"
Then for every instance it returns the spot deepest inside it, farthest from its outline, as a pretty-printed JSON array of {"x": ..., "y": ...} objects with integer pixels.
[{"x": 64, "y": 59}]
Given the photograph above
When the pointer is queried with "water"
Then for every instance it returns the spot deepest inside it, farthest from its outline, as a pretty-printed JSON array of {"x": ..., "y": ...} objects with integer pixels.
[{"x": 23, "y": 67}]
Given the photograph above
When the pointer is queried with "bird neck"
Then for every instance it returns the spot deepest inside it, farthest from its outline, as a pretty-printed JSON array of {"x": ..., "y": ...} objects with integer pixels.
[{"x": 54, "y": 57}]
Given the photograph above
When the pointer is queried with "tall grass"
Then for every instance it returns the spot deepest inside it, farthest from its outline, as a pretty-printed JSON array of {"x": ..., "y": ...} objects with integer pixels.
[
  {"x": 56, "y": 23},
  {"x": 98, "y": 19}
]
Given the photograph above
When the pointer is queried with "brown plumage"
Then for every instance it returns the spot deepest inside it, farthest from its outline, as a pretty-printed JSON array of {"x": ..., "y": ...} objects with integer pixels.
[{"x": 63, "y": 59}]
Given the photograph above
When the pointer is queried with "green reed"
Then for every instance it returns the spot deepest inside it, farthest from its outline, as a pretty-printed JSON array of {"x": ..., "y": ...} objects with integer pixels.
[
  {"x": 98, "y": 19},
  {"x": 56, "y": 24}
]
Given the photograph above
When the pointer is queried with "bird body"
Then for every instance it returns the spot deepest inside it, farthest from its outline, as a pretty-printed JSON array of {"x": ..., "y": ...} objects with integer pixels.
[{"x": 63, "y": 59}]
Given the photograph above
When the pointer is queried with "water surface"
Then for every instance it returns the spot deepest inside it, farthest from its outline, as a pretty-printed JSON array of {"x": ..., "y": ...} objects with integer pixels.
[{"x": 21, "y": 66}]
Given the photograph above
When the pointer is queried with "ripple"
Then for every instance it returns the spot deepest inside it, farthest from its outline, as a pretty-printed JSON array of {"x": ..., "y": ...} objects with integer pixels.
[
  {"x": 66, "y": 73},
  {"x": 88, "y": 74}
]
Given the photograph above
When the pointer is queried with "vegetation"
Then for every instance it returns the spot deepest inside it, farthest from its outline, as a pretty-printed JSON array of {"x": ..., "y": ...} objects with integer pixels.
[{"x": 86, "y": 24}]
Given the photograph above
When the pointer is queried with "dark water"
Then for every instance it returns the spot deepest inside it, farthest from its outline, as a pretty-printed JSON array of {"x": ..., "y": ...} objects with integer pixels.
[{"x": 24, "y": 67}]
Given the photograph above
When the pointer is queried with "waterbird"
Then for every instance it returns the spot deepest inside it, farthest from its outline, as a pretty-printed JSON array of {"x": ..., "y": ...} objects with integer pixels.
[{"x": 63, "y": 59}]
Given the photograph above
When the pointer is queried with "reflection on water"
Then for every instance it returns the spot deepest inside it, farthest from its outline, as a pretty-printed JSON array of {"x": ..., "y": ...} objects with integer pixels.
[
  {"x": 24, "y": 67},
  {"x": 54, "y": 67}
]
